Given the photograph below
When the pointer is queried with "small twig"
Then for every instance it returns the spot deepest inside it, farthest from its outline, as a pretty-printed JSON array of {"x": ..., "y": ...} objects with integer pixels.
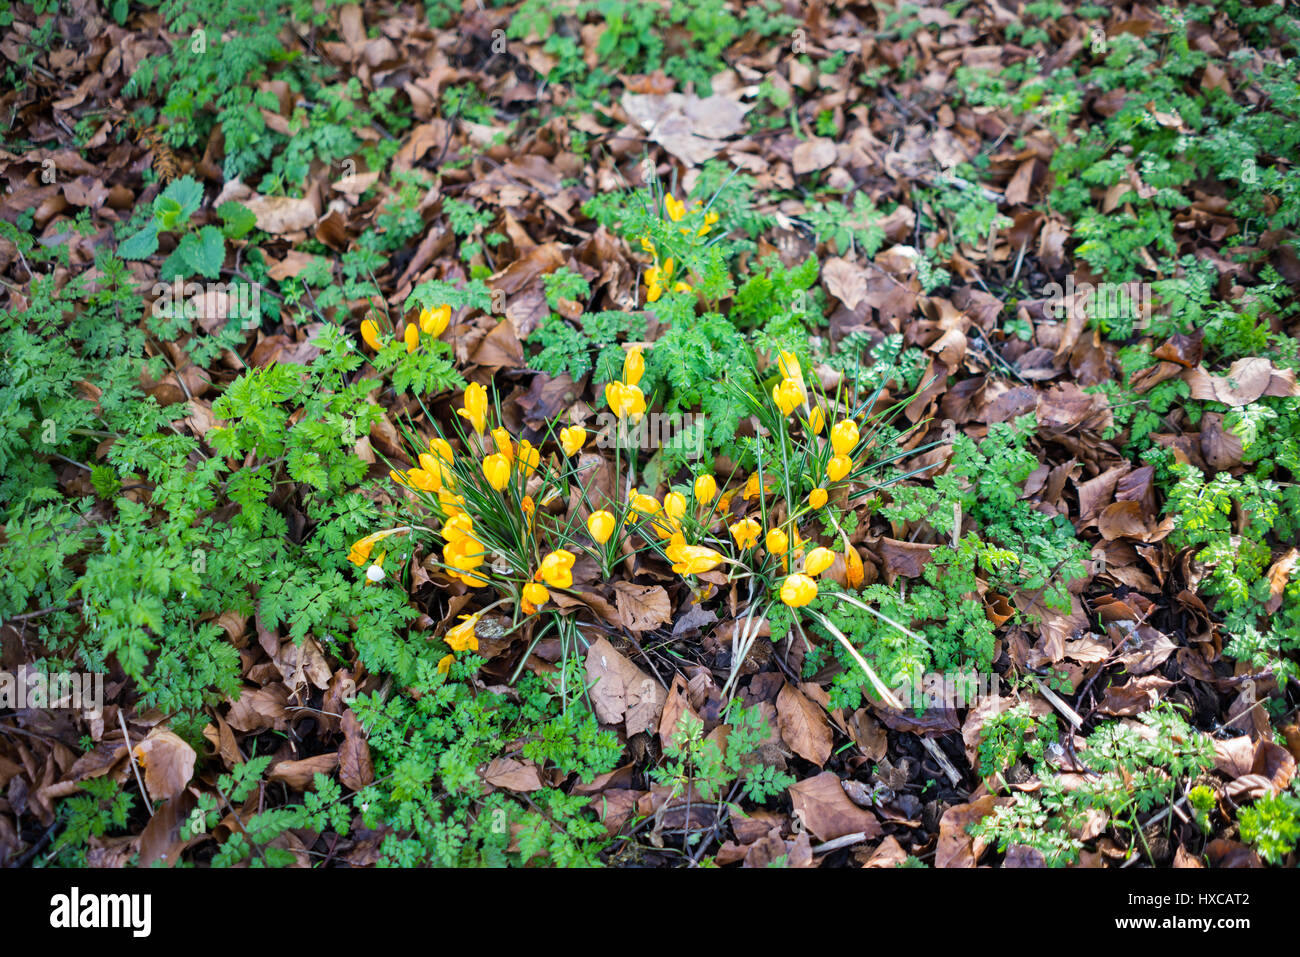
[
  {"x": 1057, "y": 702},
  {"x": 637, "y": 645},
  {"x": 27, "y": 616},
  {"x": 36, "y": 848},
  {"x": 80, "y": 465},
  {"x": 1020, "y": 258},
  {"x": 846, "y": 840},
  {"x": 313, "y": 711},
  {"x": 937, "y": 753},
  {"x": 706, "y": 841},
  {"x": 1167, "y": 811},
  {"x": 121, "y": 718}
]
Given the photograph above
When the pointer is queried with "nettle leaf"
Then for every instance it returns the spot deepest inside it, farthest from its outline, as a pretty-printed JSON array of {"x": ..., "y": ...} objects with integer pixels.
[
  {"x": 205, "y": 251},
  {"x": 178, "y": 202},
  {"x": 238, "y": 219},
  {"x": 175, "y": 265},
  {"x": 140, "y": 246}
]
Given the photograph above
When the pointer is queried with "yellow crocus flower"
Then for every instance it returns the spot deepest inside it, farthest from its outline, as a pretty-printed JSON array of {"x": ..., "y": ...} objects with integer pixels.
[
  {"x": 434, "y": 322},
  {"x": 528, "y": 457},
  {"x": 787, "y": 396},
  {"x": 535, "y": 595},
  {"x": 600, "y": 525},
  {"x": 798, "y": 590},
  {"x": 556, "y": 569},
  {"x": 457, "y": 527},
  {"x": 501, "y": 439},
  {"x": 818, "y": 560},
  {"x": 496, "y": 468},
  {"x": 751, "y": 487},
  {"x": 789, "y": 365},
  {"x": 844, "y": 437},
  {"x": 424, "y": 481},
  {"x": 854, "y": 573},
  {"x": 463, "y": 637},
  {"x": 816, "y": 420},
  {"x": 625, "y": 401},
  {"x": 441, "y": 448},
  {"x": 360, "y": 551},
  {"x": 694, "y": 559},
  {"x": 475, "y": 409},
  {"x": 633, "y": 366},
  {"x": 572, "y": 439},
  {"x": 746, "y": 532}
]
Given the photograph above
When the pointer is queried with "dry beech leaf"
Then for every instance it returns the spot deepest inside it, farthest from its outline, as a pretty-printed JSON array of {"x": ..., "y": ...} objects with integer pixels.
[
  {"x": 355, "y": 768},
  {"x": 812, "y": 155},
  {"x": 223, "y": 739},
  {"x": 1234, "y": 756},
  {"x": 845, "y": 281},
  {"x": 299, "y": 775},
  {"x": 1122, "y": 520},
  {"x": 1245, "y": 381},
  {"x": 1133, "y": 697},
  {"x": 957, "y": 848},
  {"x": 512, "y": 775},
  {"x": 642, "y": 607},
  {"x": 168, "y": 763},
  {"x": 826, "y": 811},
  {"x": 803, "y": 725},
  {"x": 621, "y": 692},
  {"x": 676, "y": 705},
  {"x": 259, "y": 708},
  {"x": 888, "y": 853},
  {"x": 167, "y": 832},
  {"x": 282, "y": 214},
  {"x": 1278, "y": 576}
]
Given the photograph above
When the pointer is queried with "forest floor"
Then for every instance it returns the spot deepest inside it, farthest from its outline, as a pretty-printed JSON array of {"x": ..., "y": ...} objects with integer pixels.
[{"x": 656, "y": 434}]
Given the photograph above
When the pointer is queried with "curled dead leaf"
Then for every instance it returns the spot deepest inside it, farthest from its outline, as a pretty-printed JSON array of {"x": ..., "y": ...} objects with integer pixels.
[{"x": 168, "y": 763}]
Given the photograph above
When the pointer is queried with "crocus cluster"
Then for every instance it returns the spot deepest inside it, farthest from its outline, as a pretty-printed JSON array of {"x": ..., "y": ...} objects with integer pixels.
[
  {"x": 442, "y": 477},
  {"x": 432, "y": 324},
  {"x": 697, "y": 535},
  {"x": 659, "y": 277},
  {"x": 625, "y": 398}
]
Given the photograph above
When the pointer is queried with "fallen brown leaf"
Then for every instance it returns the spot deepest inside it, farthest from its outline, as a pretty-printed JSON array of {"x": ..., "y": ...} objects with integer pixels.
[
  {"x": 168, "y": 763},
  {"x": 803, "y": 726},
  {"x": 826, "y": 811}
]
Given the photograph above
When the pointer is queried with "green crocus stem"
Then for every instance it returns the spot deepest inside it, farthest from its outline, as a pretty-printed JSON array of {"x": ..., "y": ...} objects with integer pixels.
[
  {"x": 870, "y": 672},
  {"x": 885, "y": 618}
]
